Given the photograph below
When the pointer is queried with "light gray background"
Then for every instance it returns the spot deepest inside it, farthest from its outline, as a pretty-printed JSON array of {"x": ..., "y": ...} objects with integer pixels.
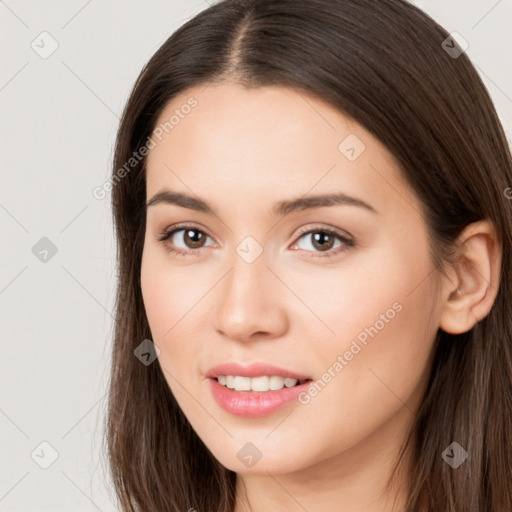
[{"x": 59, "y": 117}]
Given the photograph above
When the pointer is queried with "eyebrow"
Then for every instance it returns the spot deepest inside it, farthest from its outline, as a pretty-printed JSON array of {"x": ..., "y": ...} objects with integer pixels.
[{"x": 280, "y": 208}]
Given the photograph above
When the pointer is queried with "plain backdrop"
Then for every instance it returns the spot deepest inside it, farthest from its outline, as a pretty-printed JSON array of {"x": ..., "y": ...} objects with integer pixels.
[{"x": 67, "y": 69}]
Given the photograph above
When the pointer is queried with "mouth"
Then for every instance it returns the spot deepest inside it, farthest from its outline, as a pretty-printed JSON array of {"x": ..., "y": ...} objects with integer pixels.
[
  {"x": 254, "y": 397},
  {"x": 261, "y": 384}
]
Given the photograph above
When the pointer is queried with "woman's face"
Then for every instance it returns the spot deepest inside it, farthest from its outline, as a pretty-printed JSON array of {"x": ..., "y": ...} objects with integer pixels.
[{"x": 341, "y": 292}]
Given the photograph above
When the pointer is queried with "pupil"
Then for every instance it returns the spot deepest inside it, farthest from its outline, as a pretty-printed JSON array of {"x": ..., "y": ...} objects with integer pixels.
[
  {"x": 319, "y": 240},
  {"x": 195, "y": 239}
]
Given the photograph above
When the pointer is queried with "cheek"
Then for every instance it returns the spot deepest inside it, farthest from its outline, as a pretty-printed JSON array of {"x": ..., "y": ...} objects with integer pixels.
[
  {"x": 172, "y": 296},
  {"x": 159, "y": 300},
  {"x": 352, "y": 297},
  {"x": 382, "y": 315},
  {"x": 382, "y": 374},
  {"x": 168, "y": 291}
]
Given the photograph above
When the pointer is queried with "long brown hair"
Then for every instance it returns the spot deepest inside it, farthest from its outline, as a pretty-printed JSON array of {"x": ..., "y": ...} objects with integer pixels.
[{"x": 384, "y": 64}]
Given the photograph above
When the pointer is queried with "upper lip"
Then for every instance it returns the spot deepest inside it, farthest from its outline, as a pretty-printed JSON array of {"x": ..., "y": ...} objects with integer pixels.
[{"x": 252, "y": 370}]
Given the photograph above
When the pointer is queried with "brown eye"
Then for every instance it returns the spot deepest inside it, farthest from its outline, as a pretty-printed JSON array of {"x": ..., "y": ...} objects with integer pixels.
[
  {"x": 193, "y": 238},
  {"x": 190, "y": 238},
  {"x": 323, "y": 241}
]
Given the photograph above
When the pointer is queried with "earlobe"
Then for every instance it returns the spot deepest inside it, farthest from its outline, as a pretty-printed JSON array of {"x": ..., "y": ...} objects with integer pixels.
[{"x": 470, "y": 296}]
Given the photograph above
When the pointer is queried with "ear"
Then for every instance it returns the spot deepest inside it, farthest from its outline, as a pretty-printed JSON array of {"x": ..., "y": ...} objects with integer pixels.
[{"x": 469, "y": 295}]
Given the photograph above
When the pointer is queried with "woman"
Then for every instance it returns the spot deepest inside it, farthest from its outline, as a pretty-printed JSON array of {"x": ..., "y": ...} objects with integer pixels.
[{"x": 314, "y": 244}]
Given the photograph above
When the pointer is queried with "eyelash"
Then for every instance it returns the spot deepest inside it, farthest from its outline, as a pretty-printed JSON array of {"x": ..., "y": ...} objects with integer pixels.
[{"x": 169, "y": 232}]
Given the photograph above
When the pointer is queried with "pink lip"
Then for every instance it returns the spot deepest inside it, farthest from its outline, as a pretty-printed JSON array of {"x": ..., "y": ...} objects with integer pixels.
[
  {"x": 252, "y": 370},
  {"x": 254, "y": 404}
]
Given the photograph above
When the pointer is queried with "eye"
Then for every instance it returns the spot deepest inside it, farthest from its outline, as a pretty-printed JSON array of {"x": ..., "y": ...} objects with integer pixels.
[
  {"x": 192, "y": 237},
  {"x": 323, "y": 240}
]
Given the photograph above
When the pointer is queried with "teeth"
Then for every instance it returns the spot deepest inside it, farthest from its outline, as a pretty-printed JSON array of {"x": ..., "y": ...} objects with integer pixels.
[{"x": 264, "y": 383}]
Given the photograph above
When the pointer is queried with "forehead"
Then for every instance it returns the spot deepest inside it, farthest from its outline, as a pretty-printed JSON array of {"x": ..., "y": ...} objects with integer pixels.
[{"x": 266, "y": 142}]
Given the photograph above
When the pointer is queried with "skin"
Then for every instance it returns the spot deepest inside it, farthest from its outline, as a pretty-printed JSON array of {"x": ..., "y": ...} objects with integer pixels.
[{"x": 242, "y": 151}]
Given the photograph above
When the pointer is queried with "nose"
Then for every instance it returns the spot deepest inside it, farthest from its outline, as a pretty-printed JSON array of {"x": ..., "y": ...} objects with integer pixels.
[{"x": 251, "y": 302}]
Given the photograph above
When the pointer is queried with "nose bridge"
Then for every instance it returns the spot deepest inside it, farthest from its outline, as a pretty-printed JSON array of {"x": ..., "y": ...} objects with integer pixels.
[
  {"x": 246, "y": 283},
  {"x": 249, "y": 300}
]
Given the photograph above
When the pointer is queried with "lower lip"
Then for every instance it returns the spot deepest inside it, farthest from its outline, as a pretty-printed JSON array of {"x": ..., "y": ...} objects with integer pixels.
[{"x": 254, "y": 404}]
